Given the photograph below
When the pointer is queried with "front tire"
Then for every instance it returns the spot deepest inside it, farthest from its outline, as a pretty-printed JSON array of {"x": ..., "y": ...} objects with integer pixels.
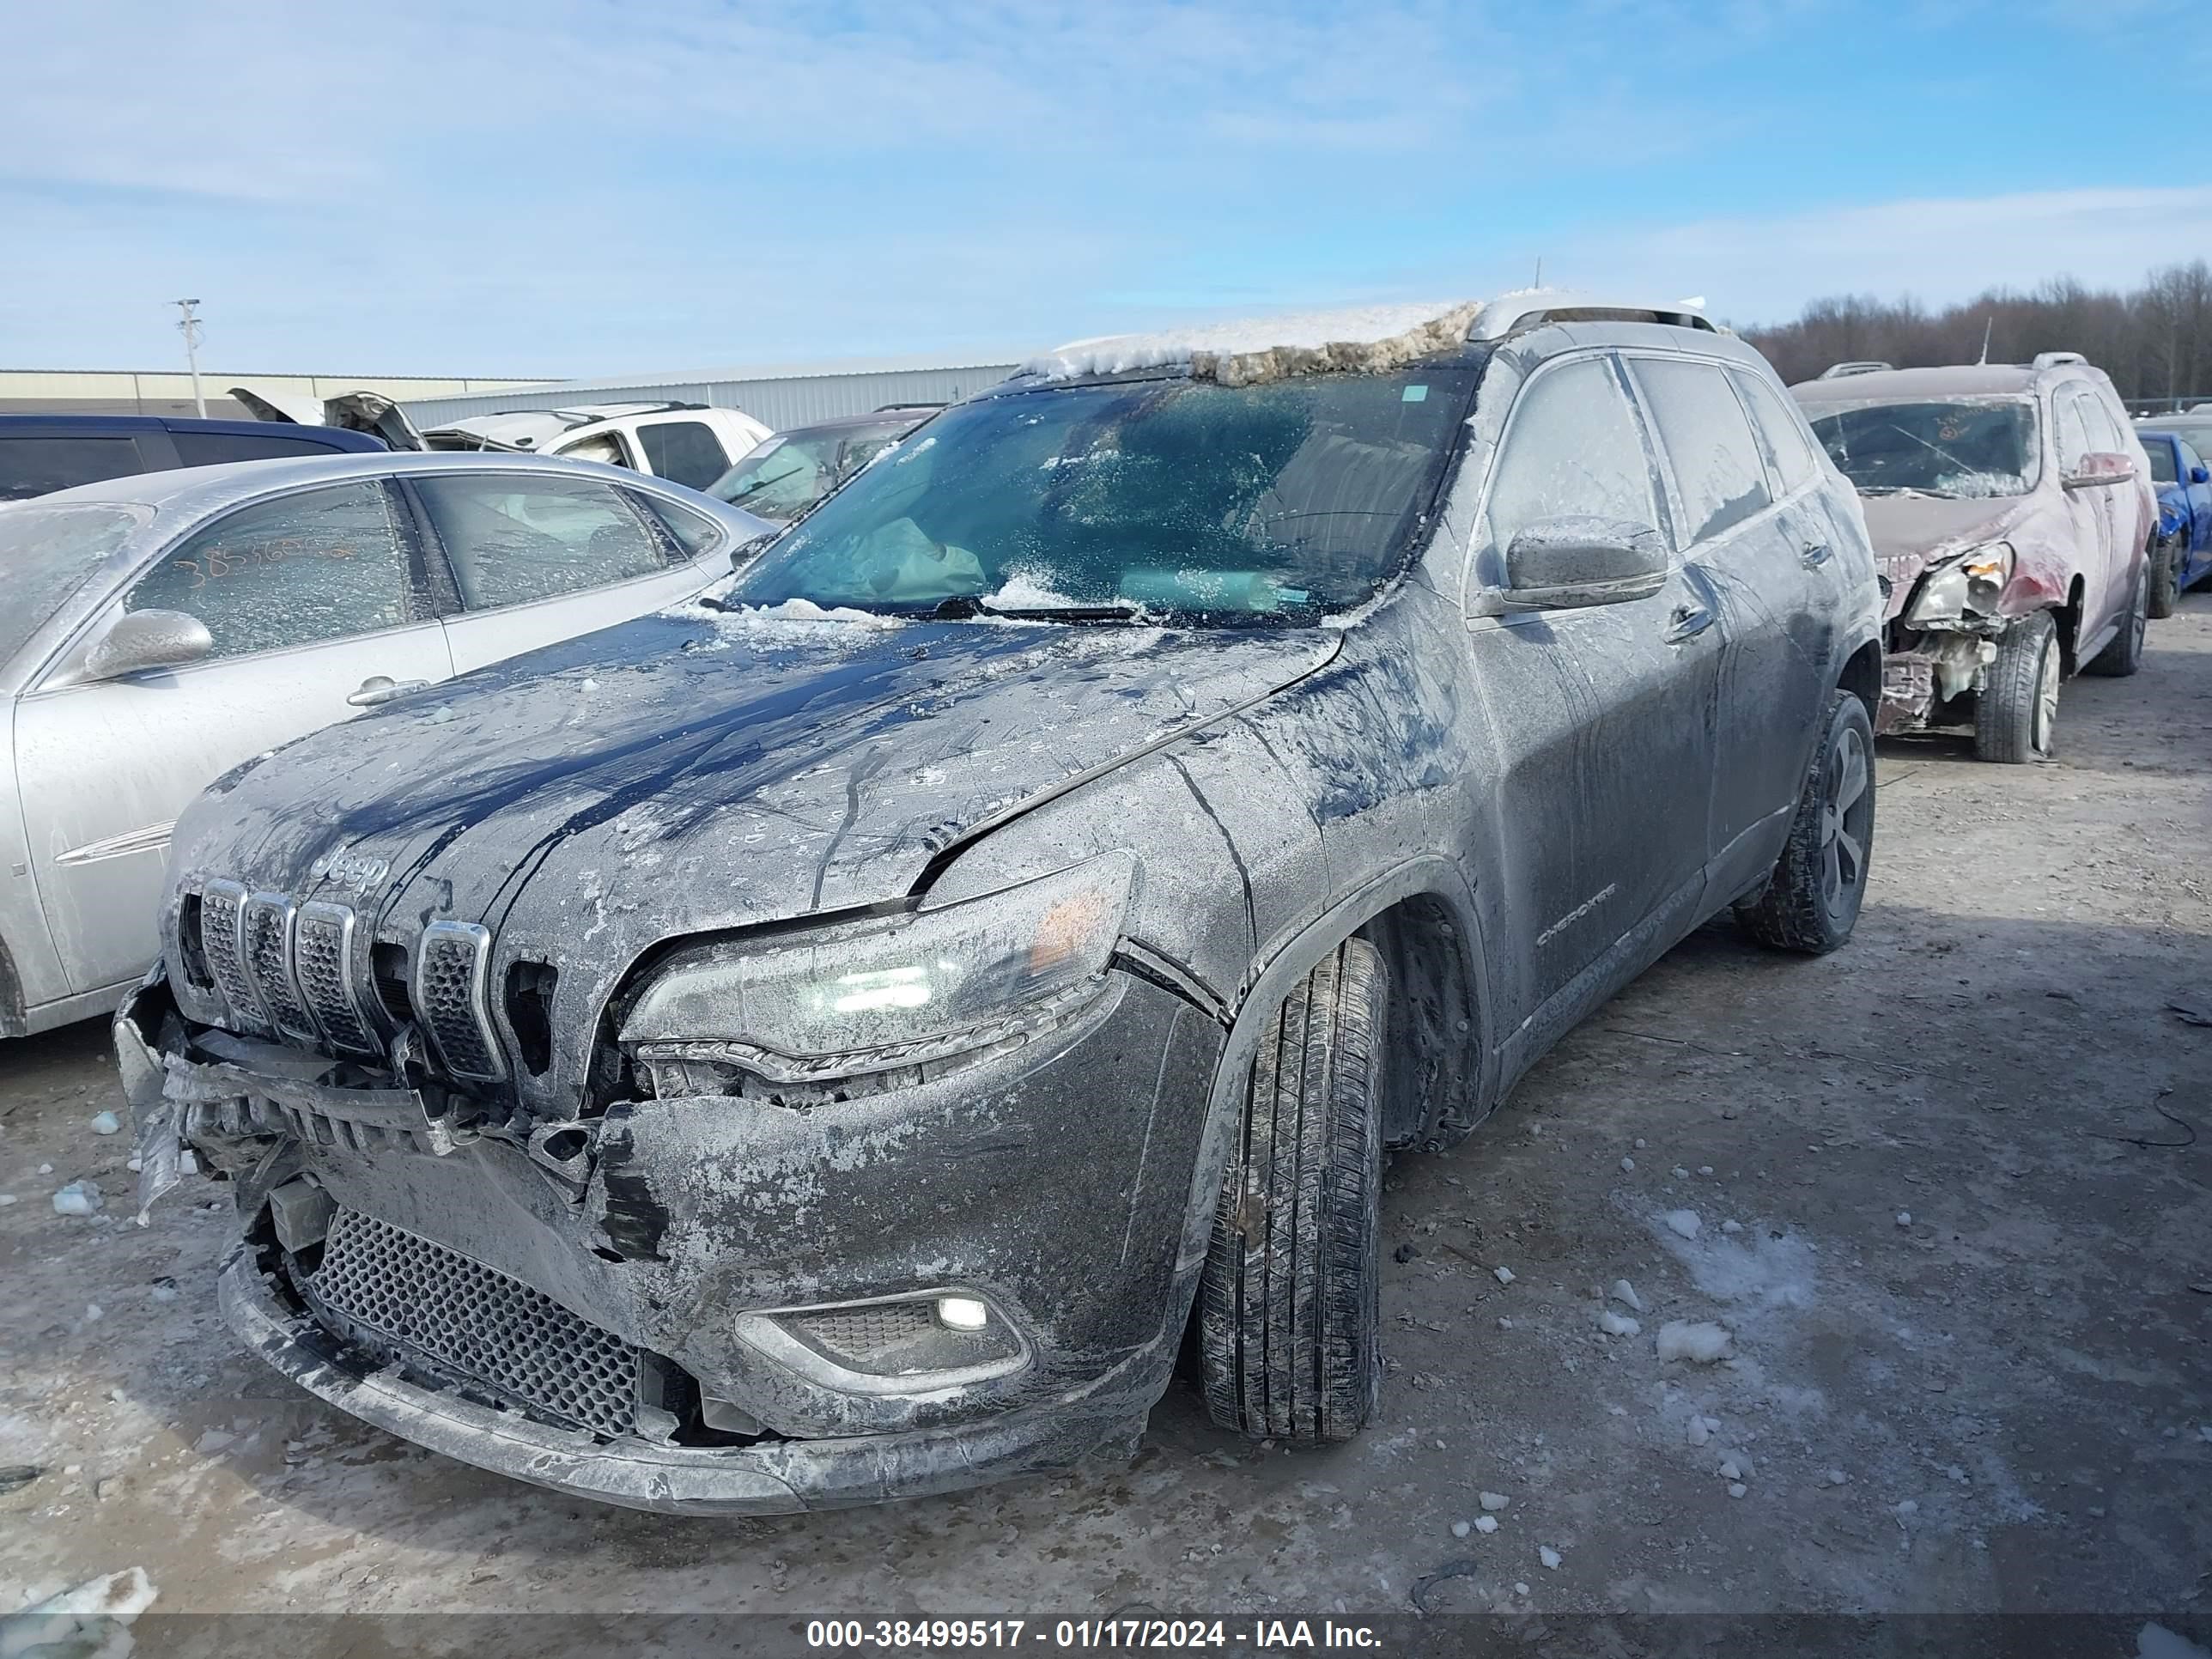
[
  {"x": 2124, "y": 655},
  {"x": 1812, "y": 900},
  {"x": 2017, "y": 712},
  {"x": 1289, "y": 1299},
  {"x": 2164, "y": 576}
]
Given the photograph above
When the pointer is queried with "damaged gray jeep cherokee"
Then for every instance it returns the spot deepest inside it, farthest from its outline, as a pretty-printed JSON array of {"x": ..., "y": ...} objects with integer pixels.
[{"x": 821, "y": 1044}]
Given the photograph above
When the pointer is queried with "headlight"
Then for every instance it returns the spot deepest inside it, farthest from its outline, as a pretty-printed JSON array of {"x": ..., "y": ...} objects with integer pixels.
[
  {"x": 1971, "y": 581},
  {"x": 891, "y": 991}
]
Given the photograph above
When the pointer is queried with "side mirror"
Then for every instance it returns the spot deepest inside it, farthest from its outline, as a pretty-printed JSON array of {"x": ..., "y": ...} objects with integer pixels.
[
  {"x": 751, "y": 549},
  {"x": 2200, "y": 474},
  {"x": 2101, "y": 469},
  {"x": 1581, "y": 561},
  {"x": 138, "y": 641}
]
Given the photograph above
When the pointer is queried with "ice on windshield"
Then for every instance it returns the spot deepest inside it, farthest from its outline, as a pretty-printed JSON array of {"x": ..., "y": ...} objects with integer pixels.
[
  {"x": 1971, "y": 447},
  {"x": 1169, "y": 496},
  {"x": 47, "y": 552},
  {"x": 1369, "y": 339}
]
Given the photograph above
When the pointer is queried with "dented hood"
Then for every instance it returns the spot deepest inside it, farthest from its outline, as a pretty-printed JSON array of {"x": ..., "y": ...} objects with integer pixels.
[
  {"x": 1911, "y": 531},
  {"x": 688, "y": 772}
]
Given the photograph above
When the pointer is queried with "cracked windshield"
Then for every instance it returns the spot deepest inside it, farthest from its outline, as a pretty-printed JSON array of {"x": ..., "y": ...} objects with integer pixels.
[
  {"x": 1982, "y": 448},
  {"x": 1277, "y": 503}
]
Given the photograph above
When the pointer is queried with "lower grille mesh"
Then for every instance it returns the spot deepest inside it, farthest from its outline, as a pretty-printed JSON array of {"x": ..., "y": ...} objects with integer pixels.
[{"x": 407, "y": 1299}]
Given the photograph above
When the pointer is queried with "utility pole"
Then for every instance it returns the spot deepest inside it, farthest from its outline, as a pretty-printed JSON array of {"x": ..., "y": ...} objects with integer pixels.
[{"x": 189, "y": 326}]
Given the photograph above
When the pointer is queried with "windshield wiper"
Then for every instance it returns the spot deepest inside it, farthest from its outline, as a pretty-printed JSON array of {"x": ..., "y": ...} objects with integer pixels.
[{"x": 962, "y": 606}]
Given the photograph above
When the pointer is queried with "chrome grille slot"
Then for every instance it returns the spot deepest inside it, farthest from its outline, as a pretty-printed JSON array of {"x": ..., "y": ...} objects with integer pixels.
[
  {"x": 267, "y": 937},
  {"x": 405, "y": 1297},
  {"x": 323, "y": 965},
  {"x": 447, "y": 989},
  {"x": 222, "y": 916}
]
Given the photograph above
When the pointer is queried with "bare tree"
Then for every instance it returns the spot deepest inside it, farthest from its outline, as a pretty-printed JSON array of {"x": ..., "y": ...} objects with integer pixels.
[{"x": 2155, "y": 340}]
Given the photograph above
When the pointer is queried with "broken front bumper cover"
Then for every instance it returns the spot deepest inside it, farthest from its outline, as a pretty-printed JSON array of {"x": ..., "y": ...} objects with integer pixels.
[{"x": 775, "y": 1477}]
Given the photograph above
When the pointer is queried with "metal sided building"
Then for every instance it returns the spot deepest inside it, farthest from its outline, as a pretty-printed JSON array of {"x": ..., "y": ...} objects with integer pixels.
[{"x": 783, "y": 395}]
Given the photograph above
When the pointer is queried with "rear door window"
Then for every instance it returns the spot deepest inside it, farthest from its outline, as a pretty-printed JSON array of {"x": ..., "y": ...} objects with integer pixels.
[
  {"x": 1718, "y": 469},
  {"x": 37, "y": 467},
  {"x": 214, "y": 448},
  {"x": 1572, "y": 448},
  {"x": 1788, "y": 448},
  {"x": 687, "y": 451},
  {"x": 513, "y": 539},
  {"x": 323, "y": 564},
  {"x": 2161, "y": 460}
]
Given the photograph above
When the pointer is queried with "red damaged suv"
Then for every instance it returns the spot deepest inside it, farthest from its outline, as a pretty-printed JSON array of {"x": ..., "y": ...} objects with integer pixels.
[{"x": 2010, "y": 506}]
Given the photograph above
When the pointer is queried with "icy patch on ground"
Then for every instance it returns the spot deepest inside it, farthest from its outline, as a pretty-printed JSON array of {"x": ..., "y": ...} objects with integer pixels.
[
  {"x": 87, "y": 1621},
  {"x": 1749, "y": 1268},
  {"x": 1368, "y": 339}
]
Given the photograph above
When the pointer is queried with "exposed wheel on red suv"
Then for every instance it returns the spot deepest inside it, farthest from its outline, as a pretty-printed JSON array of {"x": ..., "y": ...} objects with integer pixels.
[
  {"x": 2017, "y": 708},
  {"x": 1288, "y": 1301}
]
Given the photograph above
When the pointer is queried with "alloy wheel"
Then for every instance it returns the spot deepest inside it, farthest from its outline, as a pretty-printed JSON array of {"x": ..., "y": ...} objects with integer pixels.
[{"x": 1846, "y": 817}]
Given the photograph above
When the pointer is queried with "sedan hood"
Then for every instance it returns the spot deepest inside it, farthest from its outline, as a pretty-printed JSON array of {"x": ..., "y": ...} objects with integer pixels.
[
  {"x": 693, "y": 771},
  {"x": 1913, "y": 531}
]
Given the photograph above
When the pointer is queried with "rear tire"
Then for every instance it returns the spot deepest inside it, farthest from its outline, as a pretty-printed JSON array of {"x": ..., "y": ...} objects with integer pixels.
[
  {"x": 1812, "y": 900},
  {"x": 2017, "y": 712},
  {"x": 1289, "y": 1299},
  {"x": 2164, "y": 576},
  {"x": 2124, "y": 655}
]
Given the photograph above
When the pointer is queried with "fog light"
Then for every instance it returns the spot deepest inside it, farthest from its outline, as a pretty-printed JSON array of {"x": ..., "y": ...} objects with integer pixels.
[{"x": 962, "y": 1313}]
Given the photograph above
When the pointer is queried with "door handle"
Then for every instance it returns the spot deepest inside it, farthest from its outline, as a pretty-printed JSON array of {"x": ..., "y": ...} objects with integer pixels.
[
  {"x": 1817, "y": 555},
  {"x": 1686, "y": 622},
  {"x": 382, "y": 689}
]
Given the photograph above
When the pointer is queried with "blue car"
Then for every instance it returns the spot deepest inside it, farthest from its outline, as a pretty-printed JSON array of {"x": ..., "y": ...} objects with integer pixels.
[
  {"x": 2182, "y": 555},
  {"x": 41, "y": 453}
]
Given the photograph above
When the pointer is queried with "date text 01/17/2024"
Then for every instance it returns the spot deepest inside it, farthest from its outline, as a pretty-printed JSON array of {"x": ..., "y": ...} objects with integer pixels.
[{"x": 1266, "y": 1635}]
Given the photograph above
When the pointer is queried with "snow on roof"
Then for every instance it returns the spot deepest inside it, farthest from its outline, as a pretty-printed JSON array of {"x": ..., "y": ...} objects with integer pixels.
[{"x": 1368, "y": 338}]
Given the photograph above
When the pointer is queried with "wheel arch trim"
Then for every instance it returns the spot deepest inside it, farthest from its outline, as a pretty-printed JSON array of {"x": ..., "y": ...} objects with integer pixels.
[{"x": 1282, "y": 964}]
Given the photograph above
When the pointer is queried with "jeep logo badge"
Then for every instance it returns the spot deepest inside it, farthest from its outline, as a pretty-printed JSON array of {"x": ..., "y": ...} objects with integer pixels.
[{"x": 351, "y": 870}]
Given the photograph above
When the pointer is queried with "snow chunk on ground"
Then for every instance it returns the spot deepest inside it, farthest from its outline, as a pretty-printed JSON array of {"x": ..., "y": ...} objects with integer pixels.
[
  {"x": 1485, "y": 1523},
  {"x": 105, "y": 1123},
  {"x": 1504, "y": 1274},
  {"x": 1550, "y": 1557},
  {"x": 1613, "y": 1324},
  {"x": 1368, "y": 339},
  {"x": 1625, "y": 1293},
  {"x": 79, "y": 1198},
  {"x": 2155, "y": 1641},
  {"x": 1494, "y": 1500},
  {"x": 1684, "y": 1222},
  {"x": 1703, "y": 1342}
]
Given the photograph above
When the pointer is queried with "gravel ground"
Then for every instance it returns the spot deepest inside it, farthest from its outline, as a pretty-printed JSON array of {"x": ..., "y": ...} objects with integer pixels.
[{"x": 1966, "y": 1270}]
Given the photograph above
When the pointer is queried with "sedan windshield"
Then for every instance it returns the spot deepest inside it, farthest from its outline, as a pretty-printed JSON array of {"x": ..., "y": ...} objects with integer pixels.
[
  {"x": 782, "y": 476},
  {"x": 1956, "y": 447},
  {"x": 1162, "y": 497},
  {"x": 46, "y": 554}
]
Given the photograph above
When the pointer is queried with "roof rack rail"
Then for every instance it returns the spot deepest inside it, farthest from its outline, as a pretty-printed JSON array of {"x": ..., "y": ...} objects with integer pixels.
[
  {"x": 1512, "y": 314},
  {"x": 1868, "y": 366},
  {"x": 2056, "y": 359}
]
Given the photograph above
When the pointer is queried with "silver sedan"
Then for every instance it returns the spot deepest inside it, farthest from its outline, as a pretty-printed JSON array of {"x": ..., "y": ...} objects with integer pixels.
[{"x": 158, "y": 629}]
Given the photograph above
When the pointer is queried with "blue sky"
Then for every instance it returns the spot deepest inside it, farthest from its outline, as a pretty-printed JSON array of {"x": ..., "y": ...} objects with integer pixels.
[{"x": 572, "y": 187}]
